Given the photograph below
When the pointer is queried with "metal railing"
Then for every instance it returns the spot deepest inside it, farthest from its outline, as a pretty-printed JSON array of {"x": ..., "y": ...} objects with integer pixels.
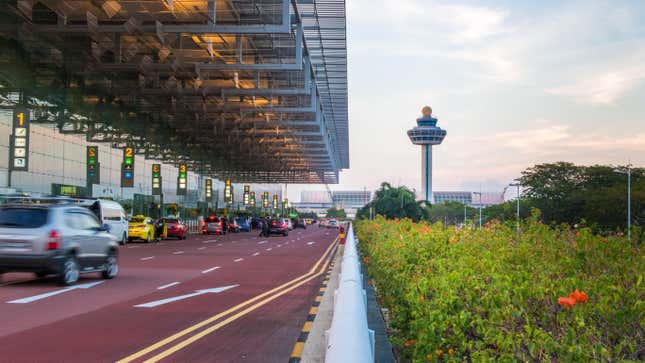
[{"x": 349, "y": 339}]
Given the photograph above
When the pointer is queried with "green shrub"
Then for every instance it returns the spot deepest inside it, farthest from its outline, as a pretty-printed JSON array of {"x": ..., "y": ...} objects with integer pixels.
[{"x": 491, "y": 295}]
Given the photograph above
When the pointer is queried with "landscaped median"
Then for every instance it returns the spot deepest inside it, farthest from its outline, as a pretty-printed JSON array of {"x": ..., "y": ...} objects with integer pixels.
[{"x": 546, "y": 294}]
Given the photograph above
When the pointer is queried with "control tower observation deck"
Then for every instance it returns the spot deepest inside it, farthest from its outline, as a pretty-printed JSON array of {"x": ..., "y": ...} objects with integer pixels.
[{"x": 426, "y": 134}]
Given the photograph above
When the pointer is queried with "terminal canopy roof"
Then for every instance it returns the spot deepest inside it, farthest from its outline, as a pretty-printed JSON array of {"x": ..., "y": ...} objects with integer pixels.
[{"x": 248, "y": 90}]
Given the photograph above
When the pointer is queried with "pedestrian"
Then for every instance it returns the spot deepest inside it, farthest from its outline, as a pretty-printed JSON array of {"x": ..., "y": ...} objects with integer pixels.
[{"x": 265, "y": 226}]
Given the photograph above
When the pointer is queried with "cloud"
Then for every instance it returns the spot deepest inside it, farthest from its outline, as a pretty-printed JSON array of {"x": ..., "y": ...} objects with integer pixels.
[{"x": 603, "y": 89}]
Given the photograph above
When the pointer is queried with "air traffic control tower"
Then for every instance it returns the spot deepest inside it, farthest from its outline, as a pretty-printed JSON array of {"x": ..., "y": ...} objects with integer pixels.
[{"x": 426, "y": 134}]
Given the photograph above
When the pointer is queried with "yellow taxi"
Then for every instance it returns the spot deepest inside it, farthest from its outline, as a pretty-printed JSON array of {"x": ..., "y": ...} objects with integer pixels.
[{"x": 141, "y": 227}]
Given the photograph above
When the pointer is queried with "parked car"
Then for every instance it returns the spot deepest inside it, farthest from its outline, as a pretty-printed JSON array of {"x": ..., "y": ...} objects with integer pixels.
[
  {"x": 212, "y": 224},
  {"x": 112, "y": 214},
  {"x": 175, "y": 227},
  {"x": 61, "y": 239},
  {"x": 287, "y": 221},
  {"x": 142, "y": 228},
  {"x": 278, "y": 226},
  {"x": 323, "y": 223},
  {"x": 244, "y": 224},
  {"x": 256, "y": 223},
  {"x": 233, "y": 226},
  {"x": 298, "y": 223}
]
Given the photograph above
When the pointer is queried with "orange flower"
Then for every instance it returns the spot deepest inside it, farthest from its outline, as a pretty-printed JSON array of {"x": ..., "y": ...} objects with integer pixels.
[
  {"x": 429, "y": 356},
  {"x": 410, "y": 342},
  {"x": 428, "y": 270},
  {"x": 579, "y": 297},
  {"x": 567, "y": 302},
  {"x": 438, "y": 352},
  {"x": 451, "y": 351}
]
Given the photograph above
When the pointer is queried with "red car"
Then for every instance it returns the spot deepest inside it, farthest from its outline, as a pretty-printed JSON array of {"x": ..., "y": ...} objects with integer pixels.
[{"x": 176, "y": 228}]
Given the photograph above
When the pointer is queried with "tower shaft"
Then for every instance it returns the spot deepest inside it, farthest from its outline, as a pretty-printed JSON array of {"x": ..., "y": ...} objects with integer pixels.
[{"x": 426, "y": 173}]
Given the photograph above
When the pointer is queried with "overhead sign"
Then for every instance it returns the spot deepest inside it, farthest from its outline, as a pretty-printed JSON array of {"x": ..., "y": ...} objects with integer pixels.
[
  {"x": 228, "y": 191},
  {"x": 19, "y": 141},
  {"x": 127, "y": 168},
  {"x": 93, "y": 166},
  {"x": 209, "y": 190},
  {"x": 156, "y": 179},
  {"x": 252, "y": 199},
  {"x": 247, "y": 191},
  {"x": 182, "y": 178}
]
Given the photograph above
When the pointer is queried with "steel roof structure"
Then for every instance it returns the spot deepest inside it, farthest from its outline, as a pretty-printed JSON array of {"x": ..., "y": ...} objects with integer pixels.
[{"x": 248, "y": 90}]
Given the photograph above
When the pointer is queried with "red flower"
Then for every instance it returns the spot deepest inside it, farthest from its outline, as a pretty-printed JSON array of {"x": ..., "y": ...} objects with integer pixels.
[
  {"x": 567, "y": 302},
  {"x": 579, "y": 297},
  {"x": 410, "y": 342}
]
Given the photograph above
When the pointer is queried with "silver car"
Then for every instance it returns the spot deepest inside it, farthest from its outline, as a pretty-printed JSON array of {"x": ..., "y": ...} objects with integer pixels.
[{"x": 60, "y": 239}]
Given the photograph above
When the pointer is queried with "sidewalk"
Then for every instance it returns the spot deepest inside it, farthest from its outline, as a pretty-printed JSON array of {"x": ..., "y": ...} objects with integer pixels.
[{"x": 316, "y": 345}]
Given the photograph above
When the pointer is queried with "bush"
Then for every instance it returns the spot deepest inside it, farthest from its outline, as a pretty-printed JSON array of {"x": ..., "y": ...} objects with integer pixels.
[{"x": 489, "y": 295}]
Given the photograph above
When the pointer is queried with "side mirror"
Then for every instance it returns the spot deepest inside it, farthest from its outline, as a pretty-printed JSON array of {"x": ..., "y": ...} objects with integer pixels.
[{"x": 105, "y": 228}]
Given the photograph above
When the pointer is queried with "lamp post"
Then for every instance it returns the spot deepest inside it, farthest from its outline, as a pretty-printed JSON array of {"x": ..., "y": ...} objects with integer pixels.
[
  {"x": 518, "y": 204},
  {"x": 480, "y": 208},
  {"x": 628, "y": 172},
  {"x": 465, "y": 214}
]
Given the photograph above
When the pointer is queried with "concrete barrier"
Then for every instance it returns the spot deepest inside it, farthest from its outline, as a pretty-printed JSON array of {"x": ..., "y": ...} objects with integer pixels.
[{"x": 349, "y": 339}]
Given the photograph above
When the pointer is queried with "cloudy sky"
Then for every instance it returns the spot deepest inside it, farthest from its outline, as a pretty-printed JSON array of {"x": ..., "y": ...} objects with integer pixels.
[{"x": 513, "y": 83}]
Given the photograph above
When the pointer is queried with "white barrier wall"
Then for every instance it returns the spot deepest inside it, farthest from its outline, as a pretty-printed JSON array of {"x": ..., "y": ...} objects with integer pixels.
[{"x": 349, "y": 339}]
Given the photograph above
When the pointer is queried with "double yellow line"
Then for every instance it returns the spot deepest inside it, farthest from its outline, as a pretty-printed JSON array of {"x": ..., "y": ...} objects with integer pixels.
[{"x": 264, "y": 298}]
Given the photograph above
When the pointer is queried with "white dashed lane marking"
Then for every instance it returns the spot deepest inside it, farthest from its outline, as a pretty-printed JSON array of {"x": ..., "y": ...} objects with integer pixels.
[
  {"x": 257, "y": 253},
  {"x": 178, "y": 253},
  {"x": 147, "y": 258},
  {"x": 210, "y": 269},
  {"x": 238, "y": 260},
  {"x": 269, "y": 249},
  {"x": 201, "y": 248},
  {"x": 167, "y": 286}
]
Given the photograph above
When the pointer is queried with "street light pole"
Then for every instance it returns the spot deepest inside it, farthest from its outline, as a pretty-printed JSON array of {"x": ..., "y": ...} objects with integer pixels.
[
  {"x": 480, "y": 208},
  {"x": 518, "y": 204},
  {"x": 629, "y": 198}
]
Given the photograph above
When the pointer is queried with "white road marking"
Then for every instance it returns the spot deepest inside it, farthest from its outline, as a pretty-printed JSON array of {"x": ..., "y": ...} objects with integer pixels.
[
  {"x": 201, "y": 248},
  {"x": 263, "y": 242},
  {"x": 162, "y": 244},
  {"x": 279, "y": 246},
  {"x": 53, "y": 293},
  {"x": 134, "y": 246},
  {"x": 238, "y": 260},
  {"x": 219, "y": 244},
  {"x": 147, "y": 258},
  {"x": 310, "y": 243},
  {"x": 210, "y": 241},
  {"x": 216, "y": 290},
  {"x": 167, "y": 286},
  {"x": 255, "y": 254},
  {"x": 269, "y": 249},
  {"x": 210, "y": 269},
  {"x": 178, "y": 253}
]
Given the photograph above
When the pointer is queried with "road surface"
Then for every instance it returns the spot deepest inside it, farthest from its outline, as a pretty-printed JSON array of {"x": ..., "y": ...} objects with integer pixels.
[{"x": 229, "y": 298}]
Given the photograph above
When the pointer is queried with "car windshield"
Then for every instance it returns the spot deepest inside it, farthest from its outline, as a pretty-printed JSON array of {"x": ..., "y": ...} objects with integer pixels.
[
  {"x": 169, "y": 220},
  {"x": 240, "y": 221},
  {"x": 23, "y": 217},
  {"x": 137, "y": 219},
  {"x": 212, "y": 219}
]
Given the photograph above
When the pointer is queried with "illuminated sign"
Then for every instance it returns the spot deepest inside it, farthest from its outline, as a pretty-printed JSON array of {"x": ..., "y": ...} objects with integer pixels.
[
  {"x": 275, "y": 201},
  {"x": 265, "y": 199},
  {"x": 209, "y": 190},
  {"x": 182, "y": 178},
  {"x": 127, "y": 168},
  {"x": 247, "y": 191},
  {"x": 156, "y": 179},
  {"x": 228, "y": 191},
  {"x": 93, "y": 166},
  {"x": 19, "y": 141},
  {"x": 252, "y": 199}
]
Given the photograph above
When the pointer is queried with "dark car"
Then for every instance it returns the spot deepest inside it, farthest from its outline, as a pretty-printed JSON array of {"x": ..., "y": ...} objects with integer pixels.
[
  {"x": 256, "y": 223},
  {"x": 278, "y": 226},
  {"x": 175, "y": 227},
  {"x": 298, "y": 223}
]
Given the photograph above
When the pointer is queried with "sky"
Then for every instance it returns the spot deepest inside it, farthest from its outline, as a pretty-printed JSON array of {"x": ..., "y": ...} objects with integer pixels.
[{"x": 514, "y": 83}]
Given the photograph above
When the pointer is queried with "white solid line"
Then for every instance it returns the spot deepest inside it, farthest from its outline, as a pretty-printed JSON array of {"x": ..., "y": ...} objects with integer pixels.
[
  {"x": 238, "y": 260},
  {"x": 257, "y": 253},
  {"x": 167, "y": 286},
  {"x": 201, "y": 248},
  {"x": 262, "y": 242},
  {"x": 178, "y": 253},
  {"x": 210, "y": 269},
  {"x": 269, "y": 249},
  {"x": 152, "y": 304},
  {"x": 147, "y": 258}
]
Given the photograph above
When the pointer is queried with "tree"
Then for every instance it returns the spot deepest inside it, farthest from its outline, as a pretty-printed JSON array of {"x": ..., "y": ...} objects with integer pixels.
[
  {"x": 450, "y": 213},
  {"x": 333, "y": 212},
  {"x": 393, "y": 203}
]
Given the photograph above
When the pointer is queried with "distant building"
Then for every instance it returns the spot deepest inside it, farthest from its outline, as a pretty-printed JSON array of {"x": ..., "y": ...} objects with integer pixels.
[
  {"x": 351, "y": 199},
  {"x": 469, "y": 198},
  {"x": 318, "y": 201}
]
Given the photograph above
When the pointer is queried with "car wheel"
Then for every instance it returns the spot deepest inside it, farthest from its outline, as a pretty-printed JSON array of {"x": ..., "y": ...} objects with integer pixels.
[
  {"x": 123, "y": 240},
  {"x": 70, "y": 272},
  {"x": 111, "y": 267}
]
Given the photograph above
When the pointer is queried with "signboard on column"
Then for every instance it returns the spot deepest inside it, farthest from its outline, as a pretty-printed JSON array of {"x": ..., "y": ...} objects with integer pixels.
[
  {"x": 209, "y": 190},
  {"x": 19, "y": 141},
  {"x": 182, "y": 179},
  {"x": 93, "y": 175},
  {"x": 127, "y": 168},
  {"x": 265, "y": 199},
  {"x": 156, "y": 179},
  {"x": 252, "y": 199},
  {"x": 275, "y": 201},
  {"x": 247, "y": 191},
  {"x": 228, "y": 191}
]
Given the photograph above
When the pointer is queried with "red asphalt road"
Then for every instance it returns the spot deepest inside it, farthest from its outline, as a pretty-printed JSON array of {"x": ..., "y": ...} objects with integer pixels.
[{"x": 101, "y": 324}]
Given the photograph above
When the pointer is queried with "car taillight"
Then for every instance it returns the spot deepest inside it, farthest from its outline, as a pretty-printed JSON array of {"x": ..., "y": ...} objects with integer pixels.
[
  {"x": 283, "y": 224},
  {"x": 204, "y": 224},
  {"x": 219, "y": 224},
  {"x": 54, "y": 240}
]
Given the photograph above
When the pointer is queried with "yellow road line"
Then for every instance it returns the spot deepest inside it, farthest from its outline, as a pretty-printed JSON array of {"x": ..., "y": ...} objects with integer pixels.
[
  {"x": 297, "y": 350},
  {"x": 307, "y": 326},
  {"x": 313, "y": 310},
  {"x": 192, "y": 328},
  {"x": 215, "y": 327}
]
